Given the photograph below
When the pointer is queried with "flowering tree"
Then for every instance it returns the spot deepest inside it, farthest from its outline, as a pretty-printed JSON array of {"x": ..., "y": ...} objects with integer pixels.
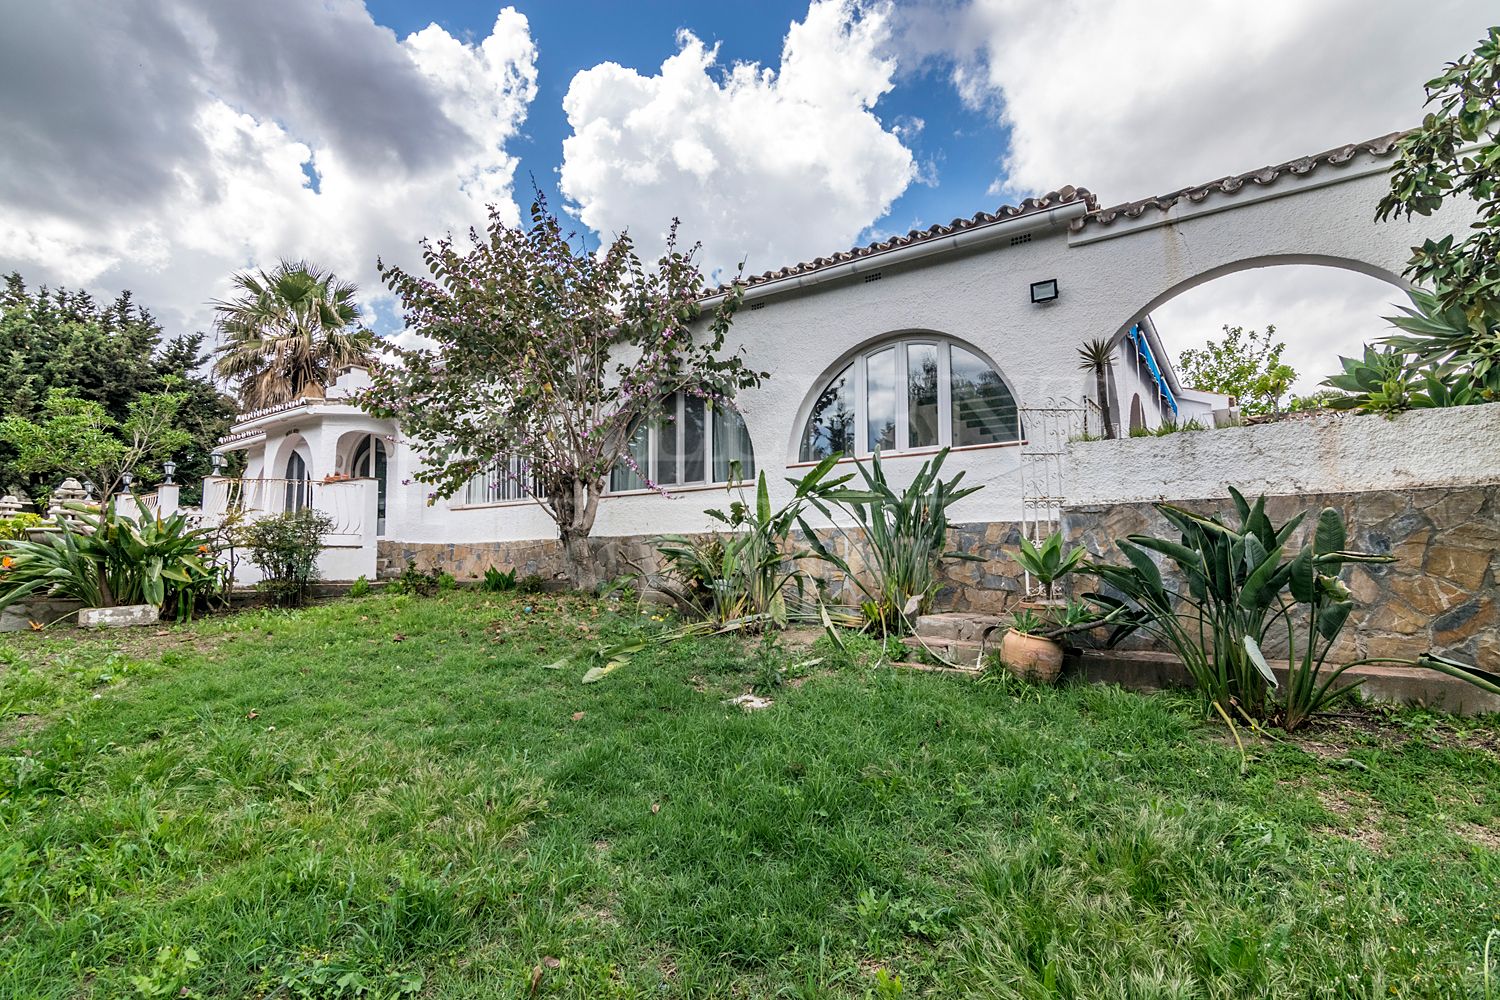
[{"x": 544, "y": 359}]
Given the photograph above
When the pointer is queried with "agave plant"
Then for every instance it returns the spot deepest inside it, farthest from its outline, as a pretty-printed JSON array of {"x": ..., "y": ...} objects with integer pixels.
[
  {"x": 1048, "y": 563},
  {"x": 1240, "y": 586},
  {"x": 1450, "y": 341},
  {"x": 112, "y": 560}
]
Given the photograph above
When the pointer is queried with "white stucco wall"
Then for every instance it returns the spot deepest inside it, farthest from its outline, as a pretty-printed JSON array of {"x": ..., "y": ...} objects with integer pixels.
[
  {"x": 1109, "y": 277},
  {"x": 1326, "y": 453}
]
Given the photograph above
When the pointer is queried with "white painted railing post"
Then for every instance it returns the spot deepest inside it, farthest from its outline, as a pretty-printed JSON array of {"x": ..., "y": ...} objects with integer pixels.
[{"x": 168, "y": 498}]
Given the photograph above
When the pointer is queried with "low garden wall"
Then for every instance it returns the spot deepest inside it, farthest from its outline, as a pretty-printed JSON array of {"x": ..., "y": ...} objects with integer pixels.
[
  {"x": 989, "y": 585},
  {"x": 1424, "y": 487}
]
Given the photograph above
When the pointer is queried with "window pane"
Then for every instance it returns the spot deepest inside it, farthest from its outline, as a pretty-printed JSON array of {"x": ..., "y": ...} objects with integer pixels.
[
  {"x": 983, "y": 410},
  {"x": 623, "y": 476},
  {"x": 694, "y": 437},
  {"x": 921, "y": 395},
  {"x": 665, "y": 473},
  {"x": 880, "y": 398},
  {"x": 733, "y": 457},
  {"x": 830, "y": 428}
]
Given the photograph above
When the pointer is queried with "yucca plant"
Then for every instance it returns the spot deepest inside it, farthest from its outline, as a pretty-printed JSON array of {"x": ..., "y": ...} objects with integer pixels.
[
  {"x": 1097, "y": 357},
  {"x": 904, "y": 536}
]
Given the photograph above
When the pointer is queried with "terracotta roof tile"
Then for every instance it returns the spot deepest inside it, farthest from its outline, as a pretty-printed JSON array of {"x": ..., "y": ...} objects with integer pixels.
[
  {"x": 1380, "y": 147},
  {"x": 1031, "y": 206}
]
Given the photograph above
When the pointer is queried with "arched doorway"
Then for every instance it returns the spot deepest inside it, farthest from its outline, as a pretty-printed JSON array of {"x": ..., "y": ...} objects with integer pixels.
[{"x": 371, "y": 461}]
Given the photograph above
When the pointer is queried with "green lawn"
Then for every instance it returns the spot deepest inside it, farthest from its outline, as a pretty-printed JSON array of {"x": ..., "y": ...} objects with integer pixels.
[{"x": 395, "y": 794}]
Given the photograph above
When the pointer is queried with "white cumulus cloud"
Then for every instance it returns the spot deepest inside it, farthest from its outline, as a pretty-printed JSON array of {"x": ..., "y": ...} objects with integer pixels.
[
  {"x": 764, "y": 165},
  {"x": 162, "y": 145},
  {"x": 1131, "y": 98}
]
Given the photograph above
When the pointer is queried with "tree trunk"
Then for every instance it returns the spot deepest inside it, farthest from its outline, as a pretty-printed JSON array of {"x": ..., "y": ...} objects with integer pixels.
[
  {"x": 575, "y": 505},
  {"x": 1101, "y": 386},
  {"x": 582, "y": 569}
]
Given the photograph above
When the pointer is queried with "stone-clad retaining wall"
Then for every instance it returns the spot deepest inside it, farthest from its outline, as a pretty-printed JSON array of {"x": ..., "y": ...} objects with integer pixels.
[
  {"x": 1442, "y": 592},
  {"x": 990, "y": 585}
]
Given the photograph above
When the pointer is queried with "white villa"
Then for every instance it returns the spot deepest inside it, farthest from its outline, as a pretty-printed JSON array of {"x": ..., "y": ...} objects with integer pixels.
[{"x": 961, "y": 336}]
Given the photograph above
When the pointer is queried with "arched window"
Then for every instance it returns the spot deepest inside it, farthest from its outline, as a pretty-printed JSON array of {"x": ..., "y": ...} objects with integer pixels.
[
  {"x": 693, "y": 441},
  {"x": 370, "y": 462},
  {"x": 298, "y": 483},
  {"x": 912, "y": 393}
]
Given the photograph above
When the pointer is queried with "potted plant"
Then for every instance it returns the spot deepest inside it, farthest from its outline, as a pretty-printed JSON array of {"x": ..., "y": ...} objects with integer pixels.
[
  {"x": 1048, "y": 563},
  {"x": 1032, "y": 646}
]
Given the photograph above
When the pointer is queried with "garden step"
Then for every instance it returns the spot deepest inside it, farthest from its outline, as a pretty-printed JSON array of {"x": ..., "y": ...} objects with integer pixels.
[
  {"x": 959, "y": 626},
  {"x": 958, "y": 652}
]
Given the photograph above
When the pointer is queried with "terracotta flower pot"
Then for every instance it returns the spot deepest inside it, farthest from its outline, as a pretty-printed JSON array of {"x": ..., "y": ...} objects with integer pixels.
[{"x": 1032, "y": 657}]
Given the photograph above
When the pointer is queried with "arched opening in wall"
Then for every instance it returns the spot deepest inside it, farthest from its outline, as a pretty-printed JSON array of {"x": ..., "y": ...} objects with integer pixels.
[
  {"x": 1321, "y": 308},
  {"x": 370, "y": 460}
]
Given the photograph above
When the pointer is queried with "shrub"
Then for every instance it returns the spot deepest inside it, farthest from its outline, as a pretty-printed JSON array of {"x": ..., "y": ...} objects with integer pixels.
[
  {"x": 285, "y": 547},
  {"x": 360, "y": 587},
  {"x": 531, "y": 584},
  {"x": 115, "y": 560},
  {"x": 415, "y": 582},
  {"x": 496, "y": 582},
  {"x": 16, "y": 526}
]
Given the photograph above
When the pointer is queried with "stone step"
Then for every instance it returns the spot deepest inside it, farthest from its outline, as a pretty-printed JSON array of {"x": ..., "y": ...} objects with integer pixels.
[
  {"x": 958, "y": 652},
  {"x": 959, "y": 626}
]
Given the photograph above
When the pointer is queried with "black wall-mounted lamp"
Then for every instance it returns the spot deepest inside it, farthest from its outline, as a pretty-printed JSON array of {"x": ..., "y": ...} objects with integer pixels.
[{"x": 1044, "y": 291}]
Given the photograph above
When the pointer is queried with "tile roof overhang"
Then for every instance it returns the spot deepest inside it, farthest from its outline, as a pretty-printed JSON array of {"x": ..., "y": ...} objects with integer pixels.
[
  {"x": 1040, "y": 210},
  {"x": 1378, "y": 148},
  {"x": 1077, "y": 207}
]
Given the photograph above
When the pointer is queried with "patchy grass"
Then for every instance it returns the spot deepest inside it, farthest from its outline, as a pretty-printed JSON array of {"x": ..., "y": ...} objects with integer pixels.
[{"x": 394, "y": 796}]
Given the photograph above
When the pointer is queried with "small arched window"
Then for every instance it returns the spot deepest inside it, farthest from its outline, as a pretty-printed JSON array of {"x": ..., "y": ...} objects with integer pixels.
[
  {"x": 693, "y": 441},
  {"x": 916, "y": 392}
]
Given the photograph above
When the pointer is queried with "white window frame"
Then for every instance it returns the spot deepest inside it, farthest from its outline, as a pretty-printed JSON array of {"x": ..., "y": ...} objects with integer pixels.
[
  {"x": 679, "y": 428},
  {"x": 858, "y": 365}
]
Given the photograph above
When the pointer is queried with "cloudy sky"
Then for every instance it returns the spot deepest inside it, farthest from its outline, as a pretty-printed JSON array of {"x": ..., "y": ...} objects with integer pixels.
[{"x": 159, "y": 145}]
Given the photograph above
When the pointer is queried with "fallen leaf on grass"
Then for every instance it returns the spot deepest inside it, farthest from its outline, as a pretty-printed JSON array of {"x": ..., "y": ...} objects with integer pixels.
[
  {"x": 536, "y": 978},
  {"x": 161, "y": 633},
  {"x": 252, "y": 714},
  {"x": 551, "y": 962},
  {"x": 398, "y": 637},
  {"x": 655, "y": 808},
  {"x": 577, "y": 716}
]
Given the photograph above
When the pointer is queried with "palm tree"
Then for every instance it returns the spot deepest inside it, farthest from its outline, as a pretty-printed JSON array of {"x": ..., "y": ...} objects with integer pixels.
[
  {"x": 288, "y": 331},
  {"x": 1098, "y": 357}
]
